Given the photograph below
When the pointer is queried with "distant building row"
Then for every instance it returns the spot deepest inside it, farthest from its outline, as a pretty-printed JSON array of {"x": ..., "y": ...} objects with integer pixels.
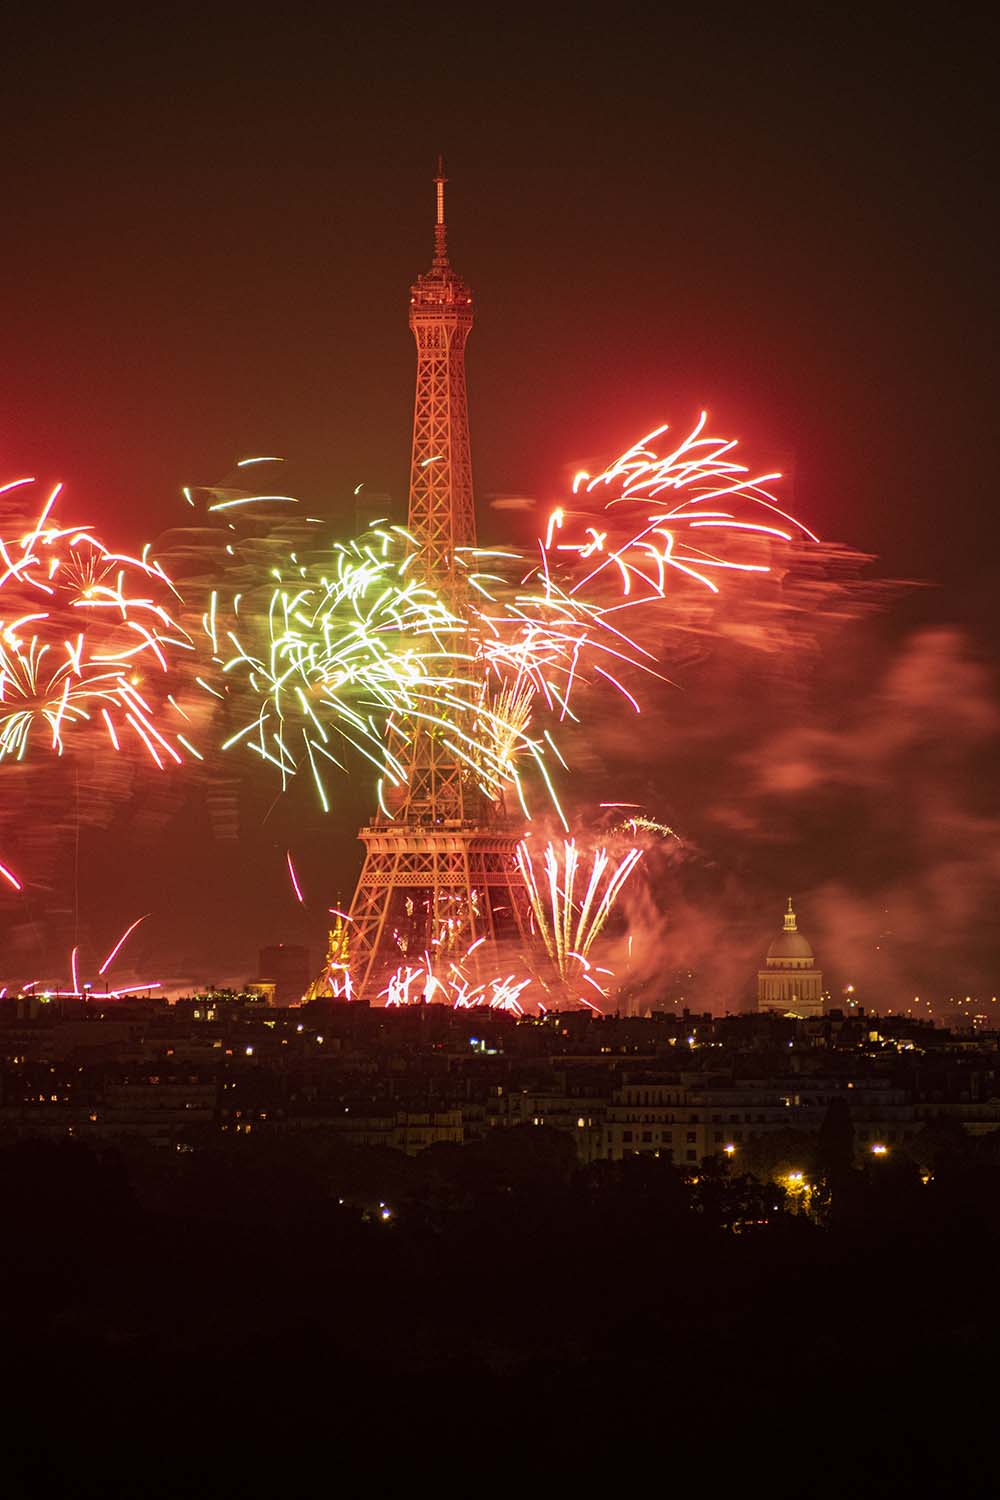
[{"x": 789, "y": 984}]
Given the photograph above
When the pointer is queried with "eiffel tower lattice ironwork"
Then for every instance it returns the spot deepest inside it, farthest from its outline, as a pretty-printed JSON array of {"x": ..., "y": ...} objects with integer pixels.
[{"x": 440, "y": 871}]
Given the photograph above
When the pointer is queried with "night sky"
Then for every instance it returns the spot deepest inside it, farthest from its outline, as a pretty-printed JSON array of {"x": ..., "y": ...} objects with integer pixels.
[{"x": 210, "y": 224}]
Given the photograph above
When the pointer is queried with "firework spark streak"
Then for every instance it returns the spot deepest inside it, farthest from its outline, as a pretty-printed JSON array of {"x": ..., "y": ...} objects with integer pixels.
[
  {"x": 294, "y": 879},
  {"x": 640, "y": 823},
  {"x": 85, "y": 639},
  {"x": 80, "y": 991},
  {"x": 10, "y": 877},
  {"x": 120, "y": 944}
]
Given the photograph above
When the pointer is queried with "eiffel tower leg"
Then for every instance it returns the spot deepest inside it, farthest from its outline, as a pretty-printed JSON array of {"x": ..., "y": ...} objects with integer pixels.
[{"x": 432, "y": 891}]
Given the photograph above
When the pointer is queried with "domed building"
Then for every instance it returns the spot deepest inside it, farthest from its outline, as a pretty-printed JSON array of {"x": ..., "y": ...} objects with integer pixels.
[{"x": 790, "y": 982}]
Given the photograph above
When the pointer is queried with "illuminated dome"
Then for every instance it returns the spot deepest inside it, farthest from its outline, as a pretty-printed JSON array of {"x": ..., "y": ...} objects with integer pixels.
[{"x": 790, "y": 945}]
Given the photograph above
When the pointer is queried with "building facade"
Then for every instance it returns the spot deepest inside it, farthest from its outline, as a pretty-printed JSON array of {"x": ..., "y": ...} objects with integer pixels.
[{"x": 790, "y": 983}]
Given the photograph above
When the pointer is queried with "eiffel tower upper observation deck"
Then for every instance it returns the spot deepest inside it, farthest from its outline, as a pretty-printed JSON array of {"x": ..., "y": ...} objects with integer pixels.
[{"x": 440, "y": 870}]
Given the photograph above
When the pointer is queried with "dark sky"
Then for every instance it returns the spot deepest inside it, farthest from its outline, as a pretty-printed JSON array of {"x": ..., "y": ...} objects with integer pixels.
[{"x": 211, "y": 220}]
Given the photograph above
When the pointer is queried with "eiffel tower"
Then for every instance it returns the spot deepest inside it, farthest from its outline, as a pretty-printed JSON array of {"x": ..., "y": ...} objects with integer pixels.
[{"x": 439, "y": 871}]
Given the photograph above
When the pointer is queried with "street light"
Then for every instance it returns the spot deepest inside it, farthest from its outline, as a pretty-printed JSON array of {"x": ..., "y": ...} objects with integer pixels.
[{"x": 799, "y": 1190}]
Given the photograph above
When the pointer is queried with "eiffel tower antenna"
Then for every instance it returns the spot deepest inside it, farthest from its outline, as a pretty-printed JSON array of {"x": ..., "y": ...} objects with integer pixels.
[{"x": 440, "y": 226}]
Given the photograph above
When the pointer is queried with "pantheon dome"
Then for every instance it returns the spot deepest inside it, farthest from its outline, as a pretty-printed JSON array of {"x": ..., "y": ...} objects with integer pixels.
[{"x": 790, "y": 983}]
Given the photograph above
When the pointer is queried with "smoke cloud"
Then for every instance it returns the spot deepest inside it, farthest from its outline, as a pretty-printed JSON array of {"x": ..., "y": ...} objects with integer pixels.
[{"x": 865, "y": 790}]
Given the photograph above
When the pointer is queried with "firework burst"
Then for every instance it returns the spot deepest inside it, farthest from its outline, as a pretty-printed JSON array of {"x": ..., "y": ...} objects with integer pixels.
[
  {"x": 350, "y": 654},
  {"x": 86, "y": 640},
  {"x": 344, "y": 654},
  {"x": 661, "y": 512},
  {"x": 423, "y": 983},
  {"x": 572, "y": 893}
]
